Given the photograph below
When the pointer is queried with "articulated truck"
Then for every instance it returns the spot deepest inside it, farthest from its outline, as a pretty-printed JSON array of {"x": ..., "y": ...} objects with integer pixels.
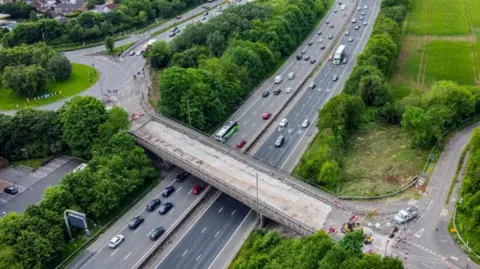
[{"x": 339, "y": 54}]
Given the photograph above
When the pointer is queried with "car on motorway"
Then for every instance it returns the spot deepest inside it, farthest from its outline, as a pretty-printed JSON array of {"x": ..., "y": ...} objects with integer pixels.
[
  {"x": 241, "y": 144},
  {"x": 196, "y": 189},
  {"x": 205, "y": 7},
  {"x": 182, "y": 176},
  {"x": 312, "y": 61},
  {"x": 357, "y": 27},
  {"x": 12, "y": 190},
  {"x": 165, "y": 208},
  {"x": 359, "y": 8},
  {"x": 322, "y": 47},
  {"x": 353, "y": 20},
  {"x": 153, "y": 204},
  {"x": 363, "y": 13},
  {"x": 365, "y": 7},
  {"x": 179, "y": 17},
  {"x": 303, "y": 52},
  {"x": 116, "y": 241},
  {"x": 335, "y": 77},
  {"x": 278, "y": 79},
  {"x": 135, "y": 222},
  {"x": 167, "y": 191},
  {"x": 299, "y": 57},
  {"x": 174, "y": 29},
  {"x": 279, "y": 141},
  {"x": 277, "y": 91},
  {"x": 219, "y": 9},
  {"x": 310, "y": 42},
  {"x": 266, "y": 115},
  {"x": 172, "y": 34},
  {"x": 319, "y": 33},
  {"x": 311, "y": 86},
  {"x": 350, "y": 39},
  {"x": 306, "y": 57},
  {"x": 364, "y": 23},
  {"x": 305, "y": 123},
  {"x": 204, "y": 18},
  {"x": 328, "y": 22},
  {"x": 330, "y": 57},
  {"x": 344, "y": 14},
  {"x": 288, "y": 90},
  {"x": 347, "y": 33},
  {"x": 344, "y": 60},
  {"x": 331, "y": 26},
  {"x": 265, "y": 94},
  {"x": 330, "y": 37},
  {"x": 132, "y": 53},
  {"x": 320, "y": 40},
  {"x": 156, "y": 233},
  {"x": 205, "y": 14},
  {"x": 291, "y": 75},
  {"x": 138, "y": 53},
  {"x": 361, "y": 18},
  {"x": 283, "y": 123}
]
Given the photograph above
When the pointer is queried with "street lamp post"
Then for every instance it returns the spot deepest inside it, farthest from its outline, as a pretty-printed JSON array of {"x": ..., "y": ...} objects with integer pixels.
[{"x": 386, "y": 244}]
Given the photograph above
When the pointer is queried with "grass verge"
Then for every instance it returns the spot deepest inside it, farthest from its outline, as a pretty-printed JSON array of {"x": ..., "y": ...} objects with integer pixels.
[
  {"x": 82, "y": 78},
  {"x": 459, "y": 168},
  {"x": 120, "y": 49},
  {"x": 33, "y": 163}
]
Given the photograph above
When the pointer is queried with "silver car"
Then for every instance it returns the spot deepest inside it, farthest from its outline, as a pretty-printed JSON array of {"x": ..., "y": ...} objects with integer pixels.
[{"x": 305, "y": 123}]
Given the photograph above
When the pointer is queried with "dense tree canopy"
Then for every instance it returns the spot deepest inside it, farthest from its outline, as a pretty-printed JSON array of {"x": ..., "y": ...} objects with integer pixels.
[
  {"x": 17, "y": 10},
  {"x": 59, "y": 67}
]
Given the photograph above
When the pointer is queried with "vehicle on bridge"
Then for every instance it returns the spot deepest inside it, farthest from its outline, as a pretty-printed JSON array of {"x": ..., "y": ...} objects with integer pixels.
[
  {"x": 227, "y": 131},
  {"x": 405, "y": 215},
  {"x": 339, "y": 54}
]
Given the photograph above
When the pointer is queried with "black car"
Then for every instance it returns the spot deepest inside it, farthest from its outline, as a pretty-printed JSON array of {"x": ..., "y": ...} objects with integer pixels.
[
  {"x": 265, "y": 94},
  {"x": 312, "y": 61},
  {"x": 330, "y": 37},
  {"x": 277, "y": 92},
  {"x": 205, "y": 14},
  {"x": 182, "y": 176},
  {"x": 174, "y": 29},
  {"x": 172, "y": 34},
  {"x": 331, "y": 26},
  {"x": 306, "y": 57},
  {"x": 11, "y": 190},
  {"x": 167, "y": 191},
  {"x": 165, "y": 208},
  {"x": 135, "y": 222},
  {"x": 299, "y": 57},
  {"x": 322, "y": 47},
  {"x": 156, "y": 233},
  {"x": 153, "y": 204}
]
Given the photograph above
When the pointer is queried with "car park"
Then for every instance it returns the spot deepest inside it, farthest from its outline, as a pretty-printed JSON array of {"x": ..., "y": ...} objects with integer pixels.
[
  {"x": 320, "y": 40},
  {"x": 310, "y": 42},
  {"x": 350, "y": 39},
  {"x": 311, "y": 86},
  {"x": 266, "y": 115},
  {"x": 305, "y": 123},
  {"x": 182, "y": 176},
  {"x": 135, "y": 222},
  {"x": 167, "y": 191},
  {"x": 279, "y": 141},
  {"x": 283, "y": 123},
  {"x": 288, "y": 90},
  {"x": 241, "y": 144},
  {"x": 12, "y": 190},
  {"x": 156, "y": 233},
  {"x": 278, "y": 79},
  {"x": 277, "y": 91},
  {"x": 291, "y": 75},
  {"x": 306, "y": 57},
  {"x": 335, "y": 77},
  {"x": 196, "y": 189},
  {"x": 165, "y": 208},
  {"x": 153, "y": 204},
  {"x": 330, "y": 57},
  {"x": 265, "y": 94},
  {"x": 312, "y": 61},
  {"x": 116, "y": 241}
]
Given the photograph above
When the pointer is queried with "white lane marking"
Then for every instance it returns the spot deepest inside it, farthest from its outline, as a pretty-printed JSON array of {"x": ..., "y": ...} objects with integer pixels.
[
  {"x": 170, "y": 213},
  {"x": 426, "y": 265},
  {"x": 418, "y": 220},
  {"x": 127, "y": 255},
  {"x": 429, "y": 204},
  {"x": 233, "y": 212},
  {"x": 190, "y": 192},
  {"x": 221, "y": 208},
  {"x": 204, "y": 230},
  {"x": 3, "y": 200},
  {"x": 113, "y": 253},
  {"x": 419, "y": 233},
  {"x": 198, "y": 258},
  {"x": 185, "y": 253},
  {"x": 454, "y": 258},
  {"x": 138, "y": 229},
  {"x": 216, "y": 234},
  {"x": 179, "y": 189}
]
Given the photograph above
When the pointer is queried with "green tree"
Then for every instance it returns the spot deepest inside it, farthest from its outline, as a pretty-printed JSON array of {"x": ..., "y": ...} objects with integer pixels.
[
  {"x": 25, "y": 81},
  {"x": 159, "y": 54},
  {"x": 216, "y": 43},
  {"x": 329, "y": 174},
  {"x": 117, "y": 121},
  {"x": 421, "y": 125},
  {"x": 59, "y": 67},
  {"x": 352, "y": 243},
  {"x": 341, "y": 114},
  {"x": 109, "y": 43},
  {"x": 81, "y": 119}
]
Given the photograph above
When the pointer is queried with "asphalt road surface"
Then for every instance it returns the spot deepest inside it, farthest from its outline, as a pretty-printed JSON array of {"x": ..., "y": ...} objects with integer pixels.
[
  {"x": 137, "y": 242},
  {"x": 207, "y": 236},
  {"x": 249, "y": 116},
  {"x": 311, "y": 101}
]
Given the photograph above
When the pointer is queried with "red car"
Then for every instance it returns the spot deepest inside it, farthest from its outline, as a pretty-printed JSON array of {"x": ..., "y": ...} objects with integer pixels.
[
  {"x": 241, "y": 144},
  {"x": 179, "y": 17},
  {"x": 330, "y": 57},
  {"x": 266, "y": 115},
  {"x": 196, "y": 189}
]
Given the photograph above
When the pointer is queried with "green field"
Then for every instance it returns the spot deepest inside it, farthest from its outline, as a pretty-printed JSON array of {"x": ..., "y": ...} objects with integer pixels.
[
  {"x": 474, "y": 7},
  {"x": 379, "y": 159},
  {"x": 82, "y": 78}
]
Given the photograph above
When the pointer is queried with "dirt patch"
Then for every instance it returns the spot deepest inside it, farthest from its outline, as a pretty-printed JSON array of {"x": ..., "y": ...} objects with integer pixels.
[{"x": 4, "y": 184}]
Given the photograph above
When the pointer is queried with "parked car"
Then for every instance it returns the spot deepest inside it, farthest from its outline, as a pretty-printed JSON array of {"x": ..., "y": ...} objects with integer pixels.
[
  {"x": 350, "y": 39},
  {"x": 167, "y": 191},
  {"x": 241, "y": 144},
  {"x": 172, "y": 34},
  {"x": 156, "y": 233},
  {"x": 405, "y": 215},
  {"x": 364, "y": 23},
  {"x": 182, "y": 176},
  {"x": 165, "y": 208},
  {"x": 196, "y": 189},
  {"x": 12, "y": 190},
  {"x": 319, "y": 33},
  {"x": 347, "y": 33},
  {"x": 303, "y": 52},
  {"x": 135, "y": 222},
  {"x": 116, "y": 241},
  {"x": 153, "y": 204},
  {"x": 320, "y": 40},
  {"x": 354, "y": 20},
  {"x": 132, "y": 53},
  {"x": 331, "y": 26},
  {"x": 205, "y": 14}
]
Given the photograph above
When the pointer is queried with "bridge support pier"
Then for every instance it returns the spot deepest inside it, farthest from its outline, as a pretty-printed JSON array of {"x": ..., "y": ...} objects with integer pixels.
[{"x": 262, "y": 221}]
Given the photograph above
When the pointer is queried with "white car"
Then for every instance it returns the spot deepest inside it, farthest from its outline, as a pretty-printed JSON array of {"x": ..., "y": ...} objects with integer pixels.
[
  {"x": 365, "y": 23},
  {"x": 305, "y": 123},
  {"x": 138, "y": 53},
  {"x": 283, "y": 123},
  {"x": 219, "y": 9},
  {"x": 353, "y": 20},
  {"x": 288, "y": 90},
  {"x": 347, "y": 33},
  {"x": 132, "y": 53},
  {"x": 365, "y": 7},
  {"x": 320, "y": 40},
  {"x": 116, "y": 241},
  {"x": 278, "y": 79},
  {"x": 291, "y": 75}
]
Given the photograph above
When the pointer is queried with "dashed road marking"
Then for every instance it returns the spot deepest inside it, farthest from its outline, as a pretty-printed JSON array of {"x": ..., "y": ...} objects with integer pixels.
[
  {"x": 185, "y": 253},
  {"x": 127, "y": 255}
]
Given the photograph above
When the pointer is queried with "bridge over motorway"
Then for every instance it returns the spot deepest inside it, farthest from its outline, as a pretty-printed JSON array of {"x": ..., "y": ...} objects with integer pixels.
[{"x": 273, "y": 194}]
